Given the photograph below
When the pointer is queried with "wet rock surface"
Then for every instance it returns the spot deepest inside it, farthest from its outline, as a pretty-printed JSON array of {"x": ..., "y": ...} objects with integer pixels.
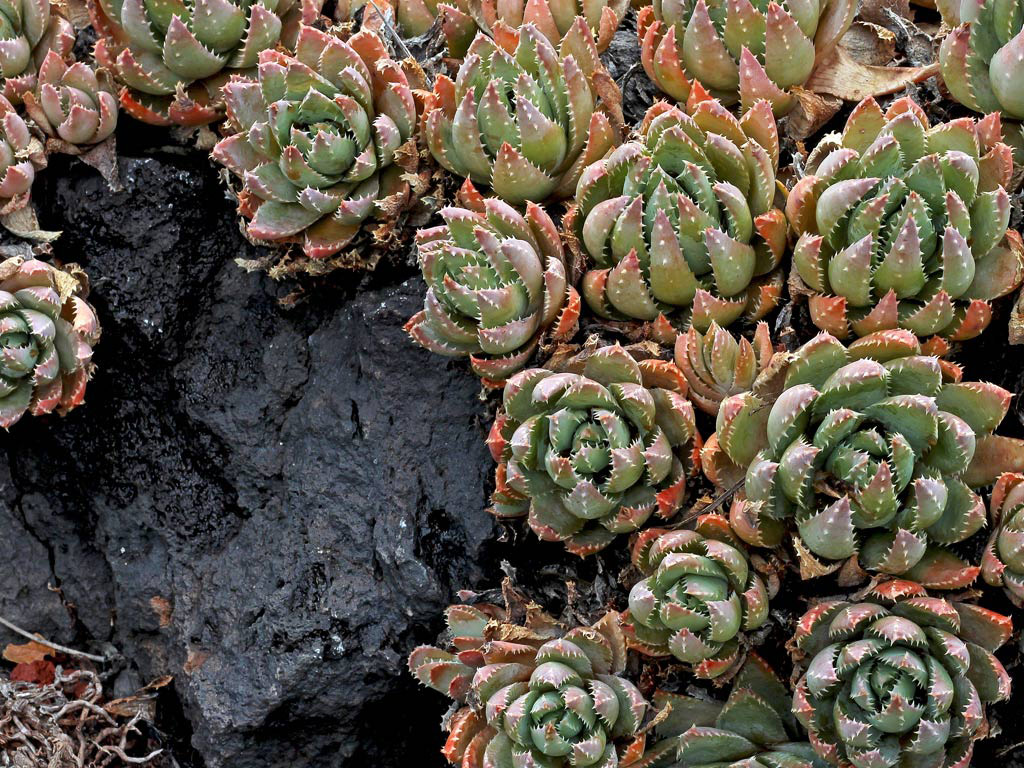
[{"x": 272, "y": 505}]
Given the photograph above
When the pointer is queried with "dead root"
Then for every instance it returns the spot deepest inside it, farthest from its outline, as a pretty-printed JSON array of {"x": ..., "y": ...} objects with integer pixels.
[{"x": 64, "y": 725}]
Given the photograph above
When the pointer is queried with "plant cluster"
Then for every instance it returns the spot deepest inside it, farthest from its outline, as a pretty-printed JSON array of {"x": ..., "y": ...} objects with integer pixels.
[
  {"x": 592, "y": 452},
  {"x": 872, "y": 452},
  {"x": 47, "y": 332},
  {"x": 861, "y": 452},
  {"x": 318, "y": 139},
  {"x": 902, "y": 224},
  {"x": 739, "y": 50},
  {"x": 682, "y": 226},
  {"x": 533, "y": 694}
]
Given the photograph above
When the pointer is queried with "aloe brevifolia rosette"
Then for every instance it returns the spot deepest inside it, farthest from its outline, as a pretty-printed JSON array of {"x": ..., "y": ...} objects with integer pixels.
[
  {"x": 592, "y": 454},
  {"x": 902, "y": 224},
  {"x": 873, "y": 451},
  {"x": 47, "y": 332},
  {"x": 682, "y": 225},
  {"x": 72, "y": 103},
  {"x": 699, "y": 597},
  {"x": 982, "y": 59},
  {"x": 29, "y": 30},
  {"x": 523, "y": 124},
  {"x": 717, "y": 364},
  {"x": 753, "y": 728},
  {"x": 318, "y": 140},
  {"x": 533, "y": 695},
  {"x": 496, "y": 283},
  {"x": 1003, "y": 562},
  {"x": 899, "y": 678},
  {"x": 739, "y": 50},
  {"x": 173, "y": 58}
]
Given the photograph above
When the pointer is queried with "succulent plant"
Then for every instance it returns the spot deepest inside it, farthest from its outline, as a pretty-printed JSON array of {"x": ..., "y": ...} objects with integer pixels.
[
  {"x": 873, "y": 451},
  {"x": 496, "y": 283},
  {"x": 697, "y": 599},
  {"x": 533, "y": 696},
  {"x": 29, "y": 30},
  {"x": 523, "y": 124},
  {"x": 555, "y": 18},
  {"x": 717, "y": 364},
  {"x": 753, "y": 728},
  {"x": 592, "y": 454},
  {"x": 72, "y": 103},
  {"x": 501, "y": 19},
  {"x": 738, "y": 50},
  {"x": 47, "y": 332},
  {"x": 174, "y": 58},
  {"x": 318, "y": 139},
  {"x": 682, "y": 224},
  {"x": 981, "y": 59},
  {"x": 17, "y": 152},
  {"x": 899, "y": 678},
  {"x": 902, "y": 224},
  {"x": 1002, "y": 565}
]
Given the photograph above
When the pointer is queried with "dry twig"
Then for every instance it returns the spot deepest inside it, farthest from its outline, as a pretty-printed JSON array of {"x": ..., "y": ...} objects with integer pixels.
[{"x": 62, "y": 648}]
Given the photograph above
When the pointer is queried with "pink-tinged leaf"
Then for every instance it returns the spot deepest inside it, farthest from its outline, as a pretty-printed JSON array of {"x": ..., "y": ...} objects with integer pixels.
[
  {"x": 756, "y": 86},
  {"x": 517, "y": 180},
  {"x": 941, "y": 569},
  {"x": 829, "y": 314},
  {"x": 326, "y": 237},
  {"x": 984, "y": 627},
  {"x": 17, "y": 180},
  {"x": 276, "y": 221}
]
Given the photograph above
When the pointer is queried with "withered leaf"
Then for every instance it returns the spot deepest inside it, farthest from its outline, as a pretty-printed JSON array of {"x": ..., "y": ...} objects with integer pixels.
[{"x": 27, "y": 653}]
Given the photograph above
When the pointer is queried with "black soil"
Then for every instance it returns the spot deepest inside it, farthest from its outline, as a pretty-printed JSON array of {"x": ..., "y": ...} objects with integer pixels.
[{"x": 275, "y": 505}]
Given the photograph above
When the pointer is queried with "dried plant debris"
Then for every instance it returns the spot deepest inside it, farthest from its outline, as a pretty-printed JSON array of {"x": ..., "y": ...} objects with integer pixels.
[{"x": 65, "y": 723}]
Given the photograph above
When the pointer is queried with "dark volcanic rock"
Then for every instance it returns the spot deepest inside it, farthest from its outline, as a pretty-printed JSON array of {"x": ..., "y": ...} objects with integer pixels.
[{"x": 272, "y": 506}]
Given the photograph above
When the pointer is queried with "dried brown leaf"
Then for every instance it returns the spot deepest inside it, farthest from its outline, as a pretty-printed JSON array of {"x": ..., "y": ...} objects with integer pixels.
[
  {"x": 27, "y": 653},
  {"x": 142, "y": 702},
  {"x": 162, "y": 608},
  {"x": 877, "y": 11},
  {"x": 103, "y": 157},
  {"x": 611, "y": 98},
  {"x": 870, "y": 44},
  {"x": 840, "y": 75},
  {"x": 811, "y": 112},
  {"x": 75, "y": 11},
  {"x": 810, "y": 566},
  {"x": 851, "y": 574},
  {"x": 797, "y": 287},
  {"x": 40, "y": 672},
  {"x": 1017, "y": 320},
  {"x": 22, "y": 221}
]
